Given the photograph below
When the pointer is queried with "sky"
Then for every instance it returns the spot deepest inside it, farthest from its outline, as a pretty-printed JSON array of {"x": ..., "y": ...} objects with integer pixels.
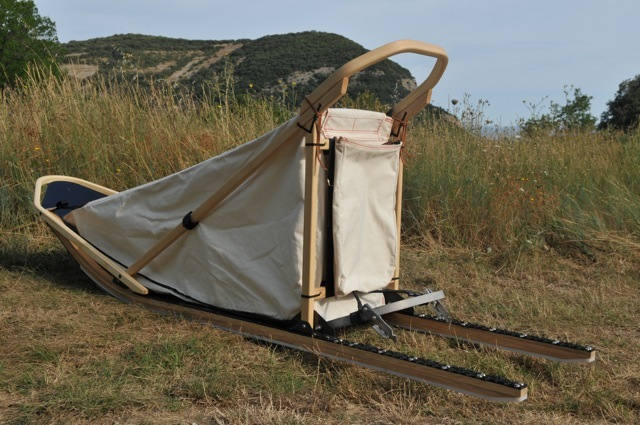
[{"x": 503, "y": 51}]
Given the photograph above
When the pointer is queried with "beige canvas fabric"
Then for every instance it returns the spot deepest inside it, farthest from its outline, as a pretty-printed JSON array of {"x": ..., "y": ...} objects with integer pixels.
[
  {"x": 246, "y": 255},
  {"x": 364, "y": 197},
  {"x": 364, "y": 217},
  {"x": 341, "y": 306}
]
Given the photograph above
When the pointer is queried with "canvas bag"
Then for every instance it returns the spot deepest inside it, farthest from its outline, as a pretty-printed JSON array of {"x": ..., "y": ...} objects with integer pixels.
[{"x": 364, "y": 200}]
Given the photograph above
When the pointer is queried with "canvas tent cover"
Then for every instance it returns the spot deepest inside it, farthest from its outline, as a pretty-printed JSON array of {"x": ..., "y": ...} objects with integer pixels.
[{"x": 247, "y": 254}]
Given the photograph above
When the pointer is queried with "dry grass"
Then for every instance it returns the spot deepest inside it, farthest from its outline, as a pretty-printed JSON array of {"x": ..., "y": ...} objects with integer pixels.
[
  {"x": 539, "y": 234},
  {"x": 578, "y": 190},
  {"x": 507, "y": 194},
  {"x": 71, "y": 354}
]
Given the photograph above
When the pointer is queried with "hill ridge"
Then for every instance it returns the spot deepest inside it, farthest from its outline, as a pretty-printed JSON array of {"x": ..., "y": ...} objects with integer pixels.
[{"x": 270, "y": 64}]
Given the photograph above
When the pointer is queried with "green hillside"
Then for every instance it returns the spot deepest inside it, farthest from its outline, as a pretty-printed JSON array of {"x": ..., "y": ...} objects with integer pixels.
[{"x": 268, "y": 65}]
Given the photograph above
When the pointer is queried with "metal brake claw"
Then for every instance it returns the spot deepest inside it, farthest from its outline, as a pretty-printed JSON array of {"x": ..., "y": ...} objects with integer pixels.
[{"x": 368, "y": 314}]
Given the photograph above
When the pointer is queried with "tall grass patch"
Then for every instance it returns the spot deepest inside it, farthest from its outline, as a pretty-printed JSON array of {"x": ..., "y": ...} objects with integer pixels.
[
  {"x": 569, "y": 191},
  {"x": 506, "y": 193},
  {"x": 116, "y": 134}
]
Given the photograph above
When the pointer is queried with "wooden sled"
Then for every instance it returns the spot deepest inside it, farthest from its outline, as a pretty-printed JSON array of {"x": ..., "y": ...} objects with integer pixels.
[{"x": 308, "y": 332}]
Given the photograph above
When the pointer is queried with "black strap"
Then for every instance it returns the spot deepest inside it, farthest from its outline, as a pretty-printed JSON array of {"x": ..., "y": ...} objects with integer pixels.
[
  {"x": 355, "y": 295},
  {"x": 407, "y": 292},
  {"x": 316, "y": 114},
  {"x": 310, "y": 129},
  {"x": 64, "y": 205},
  {"x": 311, "y": 296},
  {"x": 187, "y": 221}
]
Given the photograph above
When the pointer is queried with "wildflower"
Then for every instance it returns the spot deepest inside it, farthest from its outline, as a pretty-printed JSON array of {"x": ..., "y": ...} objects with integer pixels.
[
  {"x": 532, "y": 199},
  {"x": 250, "y": 85},
  {"x": 37, "y": 148},
  {"x": 117, "y": 170},
  {"x": 293, "y": 84},
  {"x": 219, "y": 106}
]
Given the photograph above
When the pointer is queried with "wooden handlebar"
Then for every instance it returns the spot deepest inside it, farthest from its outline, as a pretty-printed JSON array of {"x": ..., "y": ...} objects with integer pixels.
[{"x": 334, "y": 86}]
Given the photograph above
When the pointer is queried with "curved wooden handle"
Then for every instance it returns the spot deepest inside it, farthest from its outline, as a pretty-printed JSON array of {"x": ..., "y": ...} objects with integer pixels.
[{"x": 334, "y": 87}]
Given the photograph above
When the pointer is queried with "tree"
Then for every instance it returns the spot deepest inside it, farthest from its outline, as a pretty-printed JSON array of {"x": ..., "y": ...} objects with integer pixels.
[
  {"x": 623, "y": 112},
  {"x": 25, "y": 38},
  {"x": 575, "y": 114}
]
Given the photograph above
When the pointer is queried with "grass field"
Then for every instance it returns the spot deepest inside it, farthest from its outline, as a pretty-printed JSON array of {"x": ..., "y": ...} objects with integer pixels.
[{"x": 539, "y": 234}]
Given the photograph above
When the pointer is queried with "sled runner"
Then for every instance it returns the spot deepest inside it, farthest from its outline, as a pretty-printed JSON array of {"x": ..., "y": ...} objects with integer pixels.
[{"x": 286, "y": 239}]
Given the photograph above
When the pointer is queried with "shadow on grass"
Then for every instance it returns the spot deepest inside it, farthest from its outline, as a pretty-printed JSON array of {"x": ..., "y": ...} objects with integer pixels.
[
  {"x": 52, "y": 264},
  {"x": 540, "y": 369}
]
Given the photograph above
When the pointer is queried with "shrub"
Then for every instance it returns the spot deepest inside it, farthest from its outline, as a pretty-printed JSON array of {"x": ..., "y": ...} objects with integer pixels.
[{"x": 623, "y": 112}]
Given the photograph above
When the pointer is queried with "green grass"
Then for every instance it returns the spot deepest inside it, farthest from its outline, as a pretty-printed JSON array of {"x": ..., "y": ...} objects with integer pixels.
[{"x": 564, "y": 264}]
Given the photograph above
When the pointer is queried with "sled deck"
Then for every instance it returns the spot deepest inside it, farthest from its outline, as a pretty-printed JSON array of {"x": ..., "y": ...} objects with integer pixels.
[{"x": 286, "y": 239}]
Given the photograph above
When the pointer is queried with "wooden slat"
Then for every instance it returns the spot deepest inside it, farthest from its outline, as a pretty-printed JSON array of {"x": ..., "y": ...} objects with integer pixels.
[
  {"x": 395, "y": 284},
  {"x": 497, "y": 340},
  {"x": 309, "y": 286}
]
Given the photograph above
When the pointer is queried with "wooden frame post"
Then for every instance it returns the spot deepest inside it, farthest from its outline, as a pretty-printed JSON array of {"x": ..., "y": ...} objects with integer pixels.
[
  {"x": 395, "y": 283},
  {"x": 309, "y": 288}
]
